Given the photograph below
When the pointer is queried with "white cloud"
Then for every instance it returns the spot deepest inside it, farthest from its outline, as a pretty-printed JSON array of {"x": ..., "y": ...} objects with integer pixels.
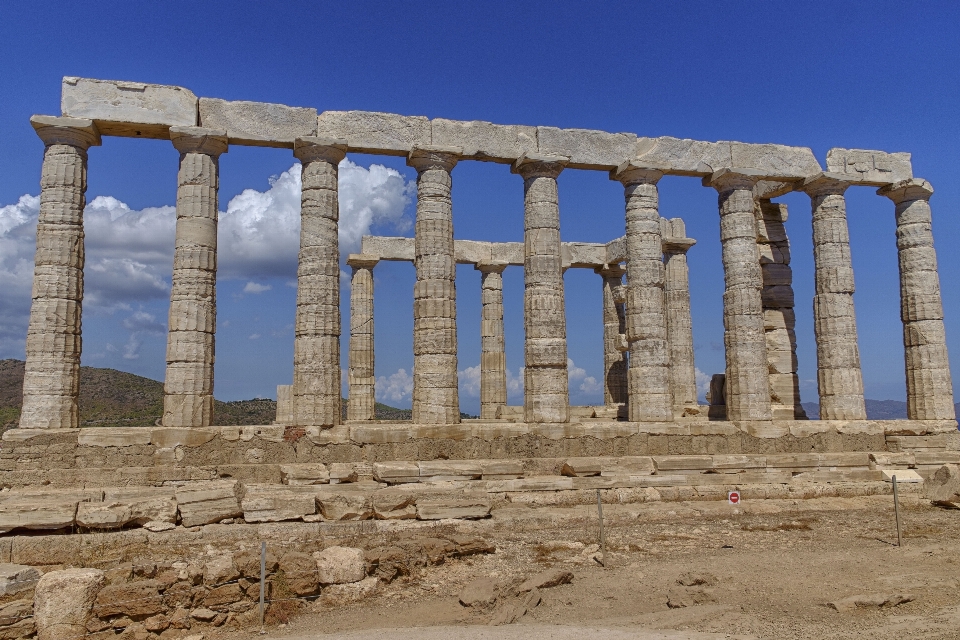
[
  {"x": 18, "y": 230},
  {"x": 398, "y": 387},
  {"x": 254, "y": 336},
  {"x": 575, "y": 373},
  {"x": 254, "y": 287},
  {"x": 143, "y": 321},
  {"x": 131, "y": 350},
  {"x": 590, "y": 385},
  {"x": 469, "y": 380},
  {"x": 703, "y": 383}
]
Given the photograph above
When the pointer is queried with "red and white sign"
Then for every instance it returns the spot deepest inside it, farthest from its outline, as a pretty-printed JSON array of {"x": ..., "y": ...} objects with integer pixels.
[{"x": 733, "y": 497}]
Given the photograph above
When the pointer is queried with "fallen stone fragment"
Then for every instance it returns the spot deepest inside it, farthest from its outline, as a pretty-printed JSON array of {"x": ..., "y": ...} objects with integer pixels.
[
  {"x": 694, "y": 579},
  {"x": 944, "y": 485},
  {"x": 300, "y": 573},
  {"x": 481, "y": 592},
  {"x": 219, "y": 569},
  {"x": 62, "y": 602},
  {"x": 870, "y": 601},
  {"x": 340, "y": 565},
  {"x": 203, "y": 614},
  {"x": 345, "y": 507},
  {"x": 516, "y": 608},
  {"x": 388, "y": 505},
  {"x": 545, "y": 580},
  {"x": 690, "y": 598},
  {"x": 15, "y": 578},
  {"x": 339, "y": 594}
]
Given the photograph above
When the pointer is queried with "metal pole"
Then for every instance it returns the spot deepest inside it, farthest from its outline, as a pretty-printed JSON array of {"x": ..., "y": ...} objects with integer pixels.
[
  {"x": 603, "y": 538},
  {"x": 263, "y": 575},
  {"x": 896, "y": 509}
]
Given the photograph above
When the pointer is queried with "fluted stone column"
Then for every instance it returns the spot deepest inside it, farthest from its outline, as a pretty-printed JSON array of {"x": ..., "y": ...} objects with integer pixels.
[
  {"x": 683, "y": 373},
  {"x": 839, "y": 376},
  {"x": 546, "y": 394},
  {"x": 361, "y": 376},
  {"x": 51, "y": 378},
  {"x": 188, "y": 385},
  {"x": 747, "y": 386},
  {"x": 493, "y": 357},
  {"x": 316, "y": 347},
  {"x": 436, "y": 398},
  {"x": 648, "y": 378},
  {"x": 614, "y": 339},
  {"x": 929, "y": 384}
]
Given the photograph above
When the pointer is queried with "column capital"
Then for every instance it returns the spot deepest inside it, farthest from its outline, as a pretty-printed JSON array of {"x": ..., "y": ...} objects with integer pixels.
[
  {"x": 677, "y": 245},
  {"x": 825, "y": 184},
  {"x": 733, "y": 179},
  {"x": 633, "y": 172},
  {"x": 426, "y": 157},
  {"x": 611, "y": 270},
  {"x": 907, "y": 190},
  {"x": 362, "y": 260},
  {"x": 76, "y": 132},
  {"x": 490, "y": 266},
  {"x": 211, "y": 142},
  {"x": 313, "y": 148},
  {"x": 537, "y": 165}
]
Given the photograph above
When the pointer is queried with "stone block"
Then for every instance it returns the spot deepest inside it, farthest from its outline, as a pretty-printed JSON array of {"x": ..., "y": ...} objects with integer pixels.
[
  {"x": 903, "y": 475},
  {"x": 113, "y": 436},
  {"x": 450, "y": 469},
  {"x": 452, "y": 508},
  {"x": 582, "y": 467},
  {"x": 168, "y": 437},
  {"x": 396, "y": 472},
  {"x": 133, "y": 599},
  {"x": 209, "y": 502},
  {"x": 345, "y": 506},
  {"x": 484, "y": 140},
  {"x": 340, "y": 565},
  {"x": 16, "y": 620},
  {"x": 388, "y": 504},
  {"x": 133, "y": 109},
  {"x": 37, "y": 513},
  {"x": 774, "y": 160},
  {"x": 877, "y": 168},
  {"x": 15, "y": 578},
  {"x": 259, "y": 124},
  {"x": 122, "y": 507},
  {"x": 276, "y": 503},
  {"x": 304, "y": 474},
  {"x": 587, "y": 149},
  {"x": 502, "y": 469},
  {"x": 683, "y": 156},
  {"x": 373, "y": 132},
  {"x": 62, "y": 602}
]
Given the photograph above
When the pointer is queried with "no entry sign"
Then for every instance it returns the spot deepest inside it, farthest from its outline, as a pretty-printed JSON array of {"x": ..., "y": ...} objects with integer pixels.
[{"x": 733, "y": 497}]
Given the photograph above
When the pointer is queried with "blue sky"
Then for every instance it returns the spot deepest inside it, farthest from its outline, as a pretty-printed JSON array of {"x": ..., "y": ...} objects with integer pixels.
[{"x": 879, "y": 75}]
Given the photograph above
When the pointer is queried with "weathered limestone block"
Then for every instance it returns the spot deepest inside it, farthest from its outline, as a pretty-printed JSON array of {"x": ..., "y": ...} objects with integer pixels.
[
  {"x": 484, "y": 140},
  {"x": 273, "y": 503},
  {"x": 450, "y": 470},
  {"x": 372, "y": 132},
  {"x": 345, "y": 506},
  {"x": 208, "y": 502},
  {"x": 133, "y": 109},
  {"x": 304, "y": 474},
  {"x": 396, "y": 472},
  {"x": 502, "y": 469},
  {"x": 15, "y": 578},
  {"x": 361, "y": 403},
  {"x": 340, "y": 565},
  {"x": 683, "y": 376},
  {"x": 944, "y": 485},
  {"x": 694, "y": 157},
  {"x": 435, "y": 388},
  {"x": 63, "y": 600},
  {"x": 493, "y": 359},
  {"x": 449, "y": 508},
  {"x": 581, "y": 467},
  {"x": 16, "y": 620},
  {"x": 136, "y": 505},
  {"x": 869, "y": 167},
  {"x": 38, "y": 512},
  {"x": 260, "y": 124},
  {"x": 284, "y": 404},
  {"x": 587, "y": 149},
  {"x": 390, "y": 505},
  {"x": 113, "y": 437}
]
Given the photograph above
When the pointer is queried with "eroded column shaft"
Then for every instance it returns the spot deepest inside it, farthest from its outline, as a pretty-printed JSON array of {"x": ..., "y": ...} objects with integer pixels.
[
  {"x": 493, "y": 358},
  {"x": 436, "y": 397},
  {"x": 747, "y": 386},
  {"x": 648, "y": 378},
  {"x": 546, "y": 392},
  {"x": 683, "y": 374},
  {"x": 51, "y": 379},
  {"x": 614, "y": 328},
  {"x": 929, "y": 383},
  {"x": 316, "y": 356},
  {"x": 361, "y": 400},
  {"x": 188, "y": 384}
]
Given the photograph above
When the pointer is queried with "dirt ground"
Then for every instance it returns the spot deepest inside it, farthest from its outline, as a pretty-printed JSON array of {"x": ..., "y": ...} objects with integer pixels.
[{"x": 768, "y": 569}]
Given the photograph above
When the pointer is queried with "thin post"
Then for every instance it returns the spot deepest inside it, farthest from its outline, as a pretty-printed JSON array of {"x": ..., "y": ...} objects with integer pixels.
[
  {"x": 896, "y": 509},
  {"x": 603, "y": 538},
  {"x": 263, "y": 575}
]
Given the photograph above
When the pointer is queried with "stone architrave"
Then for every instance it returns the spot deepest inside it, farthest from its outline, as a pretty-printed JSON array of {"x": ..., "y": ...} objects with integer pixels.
[
  {"x": 546, "y": 394},
  {"x": 648, "y": 378},
  {"x": 929, "y": 383},
  {"x": 493, "y": 358},
  {"x": 779, "y": 319},
  {"x": 51, "y": 379},
  {"x": 614, "y": 340},
  {"x": 188, "y": 385},
  {"x": 436, "y": 398},
  {"x": 839, "y": 376},
  {"x": 683, "y": 373},
  {"x": 361, "y": 397},
  {"x": 316, "y": 347},
  {"x": 747, "y": 387}
]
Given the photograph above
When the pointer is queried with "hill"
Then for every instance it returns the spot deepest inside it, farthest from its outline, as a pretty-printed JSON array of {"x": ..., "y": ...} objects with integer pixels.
[{"x": 876, "y": 409}]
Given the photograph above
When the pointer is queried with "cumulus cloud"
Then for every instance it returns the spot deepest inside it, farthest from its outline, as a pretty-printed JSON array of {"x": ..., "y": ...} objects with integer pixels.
[
  {"x": 255, "y": 287},
  {"x": 587, "y": 384},
  {"x": 18, "y": 229},
  {"x": 469, "y": 380},
  {"x": 398, "y": 387},
  {"x": 703, "y": 383}
]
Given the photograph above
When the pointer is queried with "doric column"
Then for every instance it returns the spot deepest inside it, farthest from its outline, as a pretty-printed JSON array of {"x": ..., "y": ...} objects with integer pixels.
[
  {"x": 51, "y": 378},
  {"x": 361, "y": 376},
  {"x": 648, "y": 378},
  {"x": 546, "y": 395},
  {"x": 683, "y": 373},
  {"x": 839, "y": 376},
  {"x": 188, "y": 385},
  {"x": 929, "y": 384},
  {"x": 436, "y": 398},
  {"x": 614, "y": 328},
  {"x": 493, "y": 357},
  {"x": 747, "y": 386},
  {"x": 316, "y": 346}
]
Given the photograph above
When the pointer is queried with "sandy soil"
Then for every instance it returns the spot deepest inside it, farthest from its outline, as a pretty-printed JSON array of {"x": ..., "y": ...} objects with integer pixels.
[{"x": 768, "y": 570}]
